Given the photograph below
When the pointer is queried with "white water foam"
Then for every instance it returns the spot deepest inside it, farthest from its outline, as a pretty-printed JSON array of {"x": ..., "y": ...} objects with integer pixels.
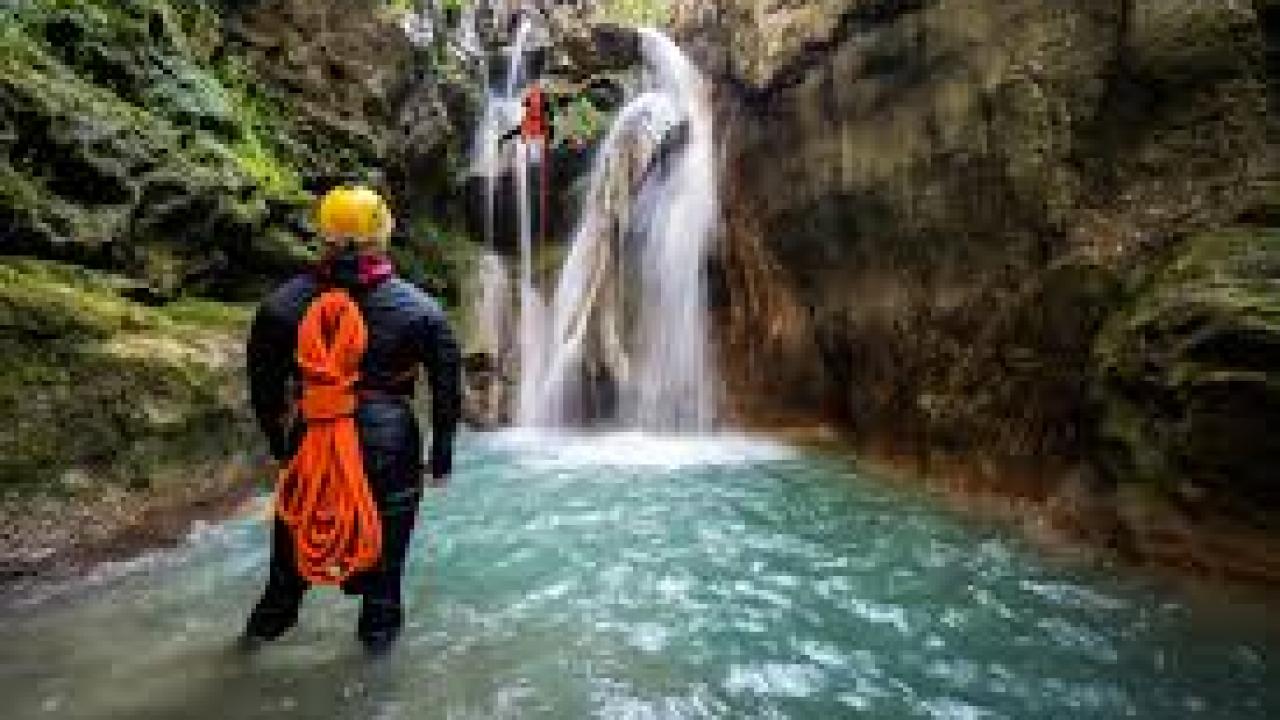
[
  {"x": 636, "y": 449},
  {"x": 646, "y": 324}
]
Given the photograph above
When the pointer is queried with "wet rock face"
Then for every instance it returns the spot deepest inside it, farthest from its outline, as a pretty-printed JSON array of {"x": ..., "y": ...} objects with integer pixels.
[
  {"x": 179, "y": 142},
  {"x": 365, "y": 103},
  {"x": 341, "y": 64},
  {"x": 489, "y": 394},
  {"x": 124, "y": 146},
  {"x": 934, "y": 207},
  {"x": 134, "y": 392},
  {"x": 1190, "y": 375}
]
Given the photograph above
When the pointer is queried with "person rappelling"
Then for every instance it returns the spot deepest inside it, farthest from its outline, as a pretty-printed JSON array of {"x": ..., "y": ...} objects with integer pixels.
[
  {"x": 333, "y": 358},
  {"x": 534, "y": 130}
]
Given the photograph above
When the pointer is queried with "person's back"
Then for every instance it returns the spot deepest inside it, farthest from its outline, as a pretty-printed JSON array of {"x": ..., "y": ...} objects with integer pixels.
[{"x": 403, "y": 329}]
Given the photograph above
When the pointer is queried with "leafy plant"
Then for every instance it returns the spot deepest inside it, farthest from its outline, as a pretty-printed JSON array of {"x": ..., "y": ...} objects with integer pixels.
[{"x": 635, "y": 12}]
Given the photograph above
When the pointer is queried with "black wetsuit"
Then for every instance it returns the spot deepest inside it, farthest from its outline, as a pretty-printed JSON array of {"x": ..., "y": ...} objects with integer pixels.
[{"x": 406, "y": 329}]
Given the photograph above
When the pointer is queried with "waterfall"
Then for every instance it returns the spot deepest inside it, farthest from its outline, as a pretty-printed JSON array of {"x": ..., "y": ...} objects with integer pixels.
[
  {"x": 641, "y": 328},
  {"x": 493, "y": 304},
  {"x": 515, "y": 66},
  {"x": 672, "y": 387},
  {"x": 502, "y": 112},
  {"x": 581, "y": 301},
  {"x": 532, "y": 349}
]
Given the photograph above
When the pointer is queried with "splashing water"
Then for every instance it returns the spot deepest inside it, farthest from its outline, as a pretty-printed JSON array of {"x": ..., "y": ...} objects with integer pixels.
[
  {"x": 642, "y": 329},
  {"x": 531, "y": 348},
  {"x": 673, "y": 386},
  {"x": 493, "y": 304}
]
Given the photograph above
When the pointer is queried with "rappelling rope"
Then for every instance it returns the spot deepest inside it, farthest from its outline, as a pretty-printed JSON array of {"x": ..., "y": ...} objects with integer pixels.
[
  {"x": 543, "y": 191},
  {"x": 323, "y": 494}
]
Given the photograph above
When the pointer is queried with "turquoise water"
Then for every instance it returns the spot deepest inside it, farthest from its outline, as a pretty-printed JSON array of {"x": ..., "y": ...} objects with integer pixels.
[{"x": 625, "y": 576}]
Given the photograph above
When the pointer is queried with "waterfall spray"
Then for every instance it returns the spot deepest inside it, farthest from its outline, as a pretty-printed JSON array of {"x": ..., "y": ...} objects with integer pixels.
[
  {"x": 672, "y": 385},
  {"x": 648, "y": 333},
  {"x": 502, "y": 111}
]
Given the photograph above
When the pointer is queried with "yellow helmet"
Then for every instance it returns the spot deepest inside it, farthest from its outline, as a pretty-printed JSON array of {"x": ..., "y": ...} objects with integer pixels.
[{"x": 355, "y": 213}]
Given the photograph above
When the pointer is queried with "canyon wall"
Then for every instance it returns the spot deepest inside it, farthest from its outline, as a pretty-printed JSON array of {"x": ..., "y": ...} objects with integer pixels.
[
  {"x": 158, "y": 164},
  {"x": 1024, "y": 237}
]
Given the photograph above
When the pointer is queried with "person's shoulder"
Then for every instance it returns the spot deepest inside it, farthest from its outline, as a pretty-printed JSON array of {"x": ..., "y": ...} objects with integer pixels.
[
  {"x": 413, "y": 296},
  {"x": 288, "y": 295}
]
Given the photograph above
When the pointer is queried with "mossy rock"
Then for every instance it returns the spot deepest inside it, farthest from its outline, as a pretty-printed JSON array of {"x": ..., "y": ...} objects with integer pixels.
[
  {"x": 96, "y": 383},
  {"x": 1189, "y": 374},
  {"x": 127, "y": 146}
]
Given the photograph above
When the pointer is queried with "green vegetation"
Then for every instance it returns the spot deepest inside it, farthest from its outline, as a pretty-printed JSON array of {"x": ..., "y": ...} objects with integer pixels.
[
  {"x": 580, "y": 121},
  {"x": 131, "y": 390},
  {"x": 635, "y": 12},
  {"x": 137, "y": 140},
  {"x": 1190, "y": 371},
  {"x": 437, "y": 258}
]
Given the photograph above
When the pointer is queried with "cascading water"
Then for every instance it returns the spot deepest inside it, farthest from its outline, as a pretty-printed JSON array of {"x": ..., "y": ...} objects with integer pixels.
[
  {"x": 647, "y": 333},
  {"x": 515, "y": 68},
  {"x": 502, "y": 111},
  {"x": 532, "y": 349},
  {"x": 672, "y": 386},
  {"x": 588, "y": 298},
  {"x": 492, "y": 303}
]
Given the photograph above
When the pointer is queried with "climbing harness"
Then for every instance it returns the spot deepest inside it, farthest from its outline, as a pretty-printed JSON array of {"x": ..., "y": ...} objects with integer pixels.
[{"x": 323, "y": 495}]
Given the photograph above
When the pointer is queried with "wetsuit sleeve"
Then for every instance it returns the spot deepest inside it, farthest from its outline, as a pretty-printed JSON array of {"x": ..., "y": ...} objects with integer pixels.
[
  {"x": 439, "y": 351},
  {"x": 270, "y": 366}
]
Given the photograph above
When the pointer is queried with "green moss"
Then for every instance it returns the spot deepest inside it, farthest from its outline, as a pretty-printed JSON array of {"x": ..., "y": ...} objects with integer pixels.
[
  {"x": 130, "y": 389},
  {"x": 1189, "y": 371},
  {"x": 635, "y": 12},
  {"x": 207, "y": 314},
  {"x": 48, "y": 300},
  {"x": 128, "y": 130},
  {"x": 267, "y": 170},
  {"x": 437, "y": 258}
]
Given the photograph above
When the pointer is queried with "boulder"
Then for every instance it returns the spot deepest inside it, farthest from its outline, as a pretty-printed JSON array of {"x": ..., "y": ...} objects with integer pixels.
[{"x": 1189, "y": 377}]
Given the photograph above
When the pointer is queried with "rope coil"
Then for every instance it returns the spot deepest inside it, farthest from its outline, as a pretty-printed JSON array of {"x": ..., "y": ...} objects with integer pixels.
[{"x": 323, "y": 495}]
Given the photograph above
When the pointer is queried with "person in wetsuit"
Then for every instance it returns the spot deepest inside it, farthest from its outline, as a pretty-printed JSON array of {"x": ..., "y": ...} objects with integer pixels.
[{"x": 406, "y": 330}]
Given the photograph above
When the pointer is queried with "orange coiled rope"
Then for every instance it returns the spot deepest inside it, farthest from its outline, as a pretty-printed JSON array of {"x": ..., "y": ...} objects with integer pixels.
[{"x": 323, "y": 495}]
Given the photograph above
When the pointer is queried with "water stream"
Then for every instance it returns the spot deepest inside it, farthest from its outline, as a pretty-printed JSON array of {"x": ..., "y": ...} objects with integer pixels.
[
  {"x": 491, "y": 160},
  {"x": 636, "y": 576},
  {"x": 628, "y": 316}
]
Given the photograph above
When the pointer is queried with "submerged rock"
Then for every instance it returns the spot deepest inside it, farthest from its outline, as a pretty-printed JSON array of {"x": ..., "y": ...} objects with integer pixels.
[{"x": 489, "y": 396}]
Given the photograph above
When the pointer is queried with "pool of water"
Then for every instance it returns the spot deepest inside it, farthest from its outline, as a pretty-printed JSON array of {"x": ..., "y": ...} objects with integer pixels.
[{"x": 630, "y": 576}]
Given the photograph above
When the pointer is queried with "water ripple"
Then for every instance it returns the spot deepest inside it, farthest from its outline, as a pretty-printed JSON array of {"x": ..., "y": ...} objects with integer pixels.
[{"x": 625, "y": 576}]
